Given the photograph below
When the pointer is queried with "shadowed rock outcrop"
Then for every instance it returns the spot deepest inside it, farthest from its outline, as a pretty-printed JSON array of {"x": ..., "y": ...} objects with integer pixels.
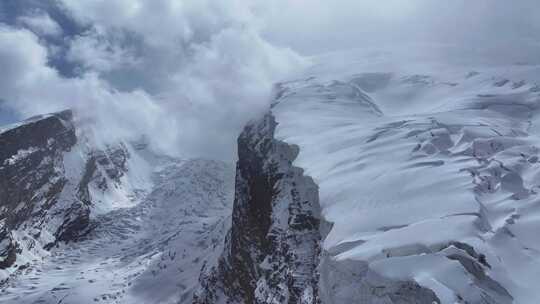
[
  {"x": 45, "y": 181},
  {"x": 272, "y": 251}
]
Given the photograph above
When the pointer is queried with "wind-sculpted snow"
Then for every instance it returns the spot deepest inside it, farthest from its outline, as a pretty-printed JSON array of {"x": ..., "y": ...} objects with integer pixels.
[
  {"x": 428, "y": 173},
  {"x": 151, "y": 252}
]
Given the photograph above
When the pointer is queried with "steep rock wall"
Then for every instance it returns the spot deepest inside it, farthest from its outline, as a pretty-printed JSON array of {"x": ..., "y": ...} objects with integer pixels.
[{"x": 272, "y": 250}]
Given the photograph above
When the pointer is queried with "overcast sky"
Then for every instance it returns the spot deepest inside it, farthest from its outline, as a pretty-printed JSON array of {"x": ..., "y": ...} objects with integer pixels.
[{"x": 190, "y": 73}]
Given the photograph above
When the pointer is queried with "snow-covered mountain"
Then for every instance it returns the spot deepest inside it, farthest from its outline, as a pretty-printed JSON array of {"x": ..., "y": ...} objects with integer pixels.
[
  {"x": 54, "y": 183},
  {"x": 427, "y": 178},
  {"x": 119, "y": 224},
  {"x": 375, "y": 177}
]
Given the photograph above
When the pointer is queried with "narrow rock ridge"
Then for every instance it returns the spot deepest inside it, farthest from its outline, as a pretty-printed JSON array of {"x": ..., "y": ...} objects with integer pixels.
[{"x": 272, "y": 251}]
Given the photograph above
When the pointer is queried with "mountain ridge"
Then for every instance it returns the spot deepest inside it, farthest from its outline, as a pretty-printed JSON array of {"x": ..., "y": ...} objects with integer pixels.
[{"x": 371, "y": 179}]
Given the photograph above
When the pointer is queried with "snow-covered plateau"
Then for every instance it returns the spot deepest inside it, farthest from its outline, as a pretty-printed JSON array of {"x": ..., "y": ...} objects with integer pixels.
[{"x": 375, "y": 178}]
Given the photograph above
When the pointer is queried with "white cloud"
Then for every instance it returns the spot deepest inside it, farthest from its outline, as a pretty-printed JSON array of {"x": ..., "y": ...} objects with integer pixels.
[
  {"x": 164, "y": 22},
  {"x": 314, "y": 26},
  {"x": 41, "y": 24},
  {"x": 198, "y": 70},
  {"x": 32, "y": 87},
  {"x": 98, "y": 52},
  {"x": 204, "y": 59},
  {"x": 23, "y": 61}
]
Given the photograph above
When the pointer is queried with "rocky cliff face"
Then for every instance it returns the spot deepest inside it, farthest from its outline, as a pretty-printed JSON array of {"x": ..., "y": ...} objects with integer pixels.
[
  {"x": 47, "y": 180},
  {"x": 272, "y": 250},
  {"x": 32, "y": 177}
]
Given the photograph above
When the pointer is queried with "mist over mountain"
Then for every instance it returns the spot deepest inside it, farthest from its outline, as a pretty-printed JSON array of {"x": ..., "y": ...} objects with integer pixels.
[
  {"x": 386, "y": 151},
  {"x": 162, "y": 62}
]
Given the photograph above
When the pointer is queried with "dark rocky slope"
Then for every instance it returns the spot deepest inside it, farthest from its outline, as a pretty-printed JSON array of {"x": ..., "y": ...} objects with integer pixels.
[
  {"x": 272, "y": 250},
  {"x": 32, "y": 179},
  {"x": 45, "y": 181}
]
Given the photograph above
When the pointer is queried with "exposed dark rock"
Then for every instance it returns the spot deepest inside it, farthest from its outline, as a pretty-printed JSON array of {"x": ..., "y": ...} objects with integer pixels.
[
  {"x": 29, "y": 158},
  {"x": 32, "y": 173},
  {"x": 38, "y": 196},
  {"x": 272, "y": 251},
  {"x": 8, "y": 249}
]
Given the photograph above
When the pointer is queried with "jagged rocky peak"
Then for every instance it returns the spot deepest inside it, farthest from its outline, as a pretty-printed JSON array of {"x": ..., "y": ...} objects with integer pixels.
[
  {"x": 51, "y": 183},
  {"x": 30, "y": 172},
  {"x": 272, "y": 250}
]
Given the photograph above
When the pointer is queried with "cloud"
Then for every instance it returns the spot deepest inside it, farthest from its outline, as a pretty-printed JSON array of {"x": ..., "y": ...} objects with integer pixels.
[
  {"x": 23, "y": 60},
  {"x": 96, "y": 51},
  {"x": 186, "y": 74},
  {"x": 341, "y": 24},
  {"x": 40, "y": 23},
  {"x": 202, "y": 61},
  {"x": 190, "y": 73},
  {"x": 32, "y": 87}
]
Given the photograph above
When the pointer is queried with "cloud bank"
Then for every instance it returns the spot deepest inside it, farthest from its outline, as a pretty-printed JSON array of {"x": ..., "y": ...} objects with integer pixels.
[
  {"x": 187, "y": 74},
  {"x": 190, "y": 73},
  {"x": 314, "y": 26},
  {"x": 41, "y": 24}
]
